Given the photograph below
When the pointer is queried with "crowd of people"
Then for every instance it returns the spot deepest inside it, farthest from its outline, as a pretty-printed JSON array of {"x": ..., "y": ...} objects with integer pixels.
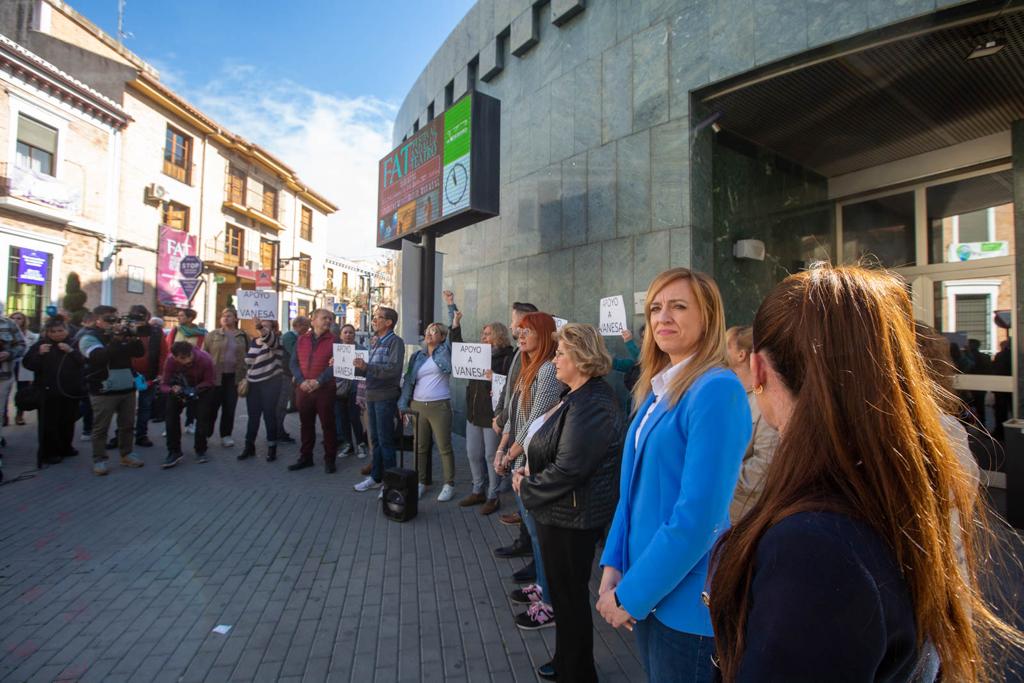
[{"x": 792, "y": 500}]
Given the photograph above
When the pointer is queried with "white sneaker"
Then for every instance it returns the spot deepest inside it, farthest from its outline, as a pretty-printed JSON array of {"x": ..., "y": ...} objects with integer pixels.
[
  {"x": 380, "y": 495},
  {"x": 361, "y": 451},
  {"x": 420, "y": 490},
  {"x": 367, "y": 484},
  {"x": 446, "y": 493},
  {"x": 190, "y": 429},
  {"x": 227, "y": 442},
  {"x": 345, "y": 451},
  {"x": 85, "y": 437}
]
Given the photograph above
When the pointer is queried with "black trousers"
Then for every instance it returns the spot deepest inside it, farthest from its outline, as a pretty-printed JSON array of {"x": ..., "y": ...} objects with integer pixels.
[
  {"x": 57, "y": 418},
  {"x": 568, "y": 556},
  {"x": 225, "y": 400},
  {"x": 203, "y": 408}
]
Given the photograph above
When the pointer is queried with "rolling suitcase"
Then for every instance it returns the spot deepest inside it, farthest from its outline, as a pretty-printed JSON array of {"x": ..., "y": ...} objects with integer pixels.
[{"x": 401, "y": 495}]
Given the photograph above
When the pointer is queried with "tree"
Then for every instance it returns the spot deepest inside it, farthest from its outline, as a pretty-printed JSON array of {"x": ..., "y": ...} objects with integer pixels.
[{"x": 74, "y": 299}]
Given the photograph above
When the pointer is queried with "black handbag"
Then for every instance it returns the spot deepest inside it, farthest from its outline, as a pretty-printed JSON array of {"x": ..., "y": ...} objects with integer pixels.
[{"x": 28, "y": 397}]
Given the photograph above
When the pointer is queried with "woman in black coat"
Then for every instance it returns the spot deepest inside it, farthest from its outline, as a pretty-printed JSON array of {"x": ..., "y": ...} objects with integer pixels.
[
  {"x": 57, "y": 365},
  {"x": 481, "y": 440},
  {"x": 570, "y": 486}
]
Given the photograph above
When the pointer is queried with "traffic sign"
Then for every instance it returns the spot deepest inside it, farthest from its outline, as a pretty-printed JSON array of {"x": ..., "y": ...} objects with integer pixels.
[
  {"x": 190, "y": 267},
  {"x": 189, "y": 286},
  {"x": 264, "y": 279}
]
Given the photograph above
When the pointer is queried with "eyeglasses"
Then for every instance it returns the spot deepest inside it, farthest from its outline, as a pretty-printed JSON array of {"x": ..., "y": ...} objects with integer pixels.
[{"x": 525, "y": 332}]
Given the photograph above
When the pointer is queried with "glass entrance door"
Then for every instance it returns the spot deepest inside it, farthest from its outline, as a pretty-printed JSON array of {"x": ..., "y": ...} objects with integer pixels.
[{"x": 952, "y": 240}]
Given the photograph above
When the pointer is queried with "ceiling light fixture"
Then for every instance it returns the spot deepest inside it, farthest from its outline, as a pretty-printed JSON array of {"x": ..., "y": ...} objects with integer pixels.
[{"x": 987, "y": 45}]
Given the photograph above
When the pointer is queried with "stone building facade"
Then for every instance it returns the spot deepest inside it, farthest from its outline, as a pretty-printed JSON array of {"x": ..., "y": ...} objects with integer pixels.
[{"x": 642, "y": 134}]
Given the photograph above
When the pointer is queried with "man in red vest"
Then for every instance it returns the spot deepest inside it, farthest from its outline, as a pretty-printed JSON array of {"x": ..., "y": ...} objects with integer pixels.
[{"x": 312, "y": 366}]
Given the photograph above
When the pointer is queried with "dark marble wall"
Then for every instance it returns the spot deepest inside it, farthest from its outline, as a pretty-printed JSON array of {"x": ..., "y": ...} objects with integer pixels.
[{"x": 756, "y": 194}]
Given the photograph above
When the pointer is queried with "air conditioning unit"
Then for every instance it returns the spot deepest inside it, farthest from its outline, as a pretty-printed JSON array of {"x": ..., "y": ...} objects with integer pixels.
[{"x": 155, "y": 193}]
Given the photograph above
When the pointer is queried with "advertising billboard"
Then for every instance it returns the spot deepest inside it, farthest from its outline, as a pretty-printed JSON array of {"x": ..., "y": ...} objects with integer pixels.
[
  {"x": 444, "y": 177},
  {"x": 174, "y": 246}
]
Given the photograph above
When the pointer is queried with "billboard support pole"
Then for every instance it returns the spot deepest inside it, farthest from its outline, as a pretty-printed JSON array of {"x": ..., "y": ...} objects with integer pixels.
[{"x": 427, "y": 275}]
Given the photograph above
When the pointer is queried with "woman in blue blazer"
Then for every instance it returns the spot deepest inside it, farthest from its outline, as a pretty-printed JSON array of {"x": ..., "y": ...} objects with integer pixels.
[{"x": 679, "y": 468}]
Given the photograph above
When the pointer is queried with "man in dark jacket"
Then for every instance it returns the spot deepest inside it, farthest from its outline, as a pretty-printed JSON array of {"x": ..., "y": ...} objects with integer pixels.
[
  {"x": 312, "y": 367},
  {"x": 383, "y": 377},
  {"x": 109, "y": 348},
  {"x": 188, "y": 380},
  {"x": 148, "y": 367},
  {"x": 58, "y": 375}
]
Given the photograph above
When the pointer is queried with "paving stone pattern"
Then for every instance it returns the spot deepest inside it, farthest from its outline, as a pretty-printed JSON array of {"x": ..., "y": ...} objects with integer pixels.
[{"x": 123, "y": 578}]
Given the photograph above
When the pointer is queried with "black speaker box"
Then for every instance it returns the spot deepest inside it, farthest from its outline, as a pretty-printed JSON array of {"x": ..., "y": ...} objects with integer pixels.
[{"x": 401, "y": 495}]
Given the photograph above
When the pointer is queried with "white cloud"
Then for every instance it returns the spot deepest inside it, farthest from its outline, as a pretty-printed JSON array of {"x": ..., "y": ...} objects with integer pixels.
[{"x": 334, "y": 143}]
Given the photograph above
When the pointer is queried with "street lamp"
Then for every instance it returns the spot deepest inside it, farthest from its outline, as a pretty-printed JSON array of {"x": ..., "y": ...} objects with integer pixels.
[{"x": 277, "y": 270}]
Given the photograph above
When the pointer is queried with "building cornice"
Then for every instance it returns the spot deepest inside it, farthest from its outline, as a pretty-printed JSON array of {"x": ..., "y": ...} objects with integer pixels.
[{"x": 35, "y": 70}]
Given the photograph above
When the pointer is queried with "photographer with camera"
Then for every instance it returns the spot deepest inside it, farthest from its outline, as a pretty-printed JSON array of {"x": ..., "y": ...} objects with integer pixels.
[
  {"x": 187, "y": 381},
  {"x": 109, "y": 348}
]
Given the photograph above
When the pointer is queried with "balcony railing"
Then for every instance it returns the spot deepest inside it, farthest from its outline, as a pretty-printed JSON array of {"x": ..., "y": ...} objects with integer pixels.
[{"x": 39, "y": 188}]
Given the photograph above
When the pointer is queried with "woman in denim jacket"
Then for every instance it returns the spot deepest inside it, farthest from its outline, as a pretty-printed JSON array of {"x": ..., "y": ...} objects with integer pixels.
[{"x": 427, "y": 392}]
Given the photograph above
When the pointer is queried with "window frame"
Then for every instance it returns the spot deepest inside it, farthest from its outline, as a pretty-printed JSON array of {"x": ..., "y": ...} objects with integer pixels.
[
  {"x": 234, "y": 257},
  {"x": 267, "y": 244},
  {"x": 165, "y": 216},
  {"x": 274, "y": 193},
  {"x": 304, "y": 276},
  {"x": 306, "y": 223},
  {"x": 181, "y": 173},
  {"x": 235, "y": 173}
]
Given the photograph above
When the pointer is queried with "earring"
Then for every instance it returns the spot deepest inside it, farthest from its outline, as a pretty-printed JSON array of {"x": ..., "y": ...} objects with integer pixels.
[{"x": 759, "y": 389}]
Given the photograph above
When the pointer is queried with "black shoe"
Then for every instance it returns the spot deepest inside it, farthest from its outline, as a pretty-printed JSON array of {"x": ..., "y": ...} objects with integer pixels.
[
  {"x": 330, "y": 468},
  {"x": 143, "y": 441},
  {"x": 112, "y": 444},
  {"x": 271, "y": 453},
  {"x": 286, "y": 438},
  {"x": 72, "y": 453},
  {"x": 300, "y": 465},
  {"x": 547, "y": 672},
  {"x": 172, "y": 459},
  {"x": 515, "y": 550},
  {"x": 248, "y": 452},
  {"x": 527, "y": 574},
  {"x": 201, "y": 457}
]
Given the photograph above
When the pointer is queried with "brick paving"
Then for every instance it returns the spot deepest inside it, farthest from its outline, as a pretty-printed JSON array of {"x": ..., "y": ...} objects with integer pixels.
[{"x": 124, "y": 577}]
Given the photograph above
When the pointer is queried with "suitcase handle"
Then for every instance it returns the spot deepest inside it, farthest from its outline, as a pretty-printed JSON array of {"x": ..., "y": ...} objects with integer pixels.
[{"x": 401, "y": 440}]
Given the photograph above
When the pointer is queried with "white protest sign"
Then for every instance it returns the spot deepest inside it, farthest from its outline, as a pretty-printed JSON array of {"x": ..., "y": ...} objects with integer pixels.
[
  {"x": 497, "y": 387},
  {"x": 256, "y": 304},
  {"x": 613, "y": 316},
  {"x": 344, "y": 367},
  {"x": 470, "y": 361},
  {"x": 559, "y": 322},
  {"x": 365, "y": 355},
  {"x": 639, "y": 299}
]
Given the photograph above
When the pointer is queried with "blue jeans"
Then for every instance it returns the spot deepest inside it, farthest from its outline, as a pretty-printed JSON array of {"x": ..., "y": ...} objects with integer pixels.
[
  {"x": 143, "y": 411},
  {"x": 538, "y": 561},
  {"x": 347, "y": 422},
  {"x": 669, "y": 655},
  {"x": 381, "y": 416}
]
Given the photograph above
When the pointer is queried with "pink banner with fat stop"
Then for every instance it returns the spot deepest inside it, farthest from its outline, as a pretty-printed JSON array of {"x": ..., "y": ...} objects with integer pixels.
[{"x": 174, "y": 246}]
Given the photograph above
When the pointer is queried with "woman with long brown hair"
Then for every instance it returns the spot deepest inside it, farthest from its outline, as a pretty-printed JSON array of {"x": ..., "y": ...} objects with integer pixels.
[
  {"x": 679, "y": 468},
  {"x": 536, "y": 392},
  {"x": 846, "y": 567}
]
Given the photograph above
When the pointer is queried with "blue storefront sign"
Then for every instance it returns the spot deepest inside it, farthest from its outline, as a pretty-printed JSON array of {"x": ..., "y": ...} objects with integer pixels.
[{"x": 33, "y": 267}]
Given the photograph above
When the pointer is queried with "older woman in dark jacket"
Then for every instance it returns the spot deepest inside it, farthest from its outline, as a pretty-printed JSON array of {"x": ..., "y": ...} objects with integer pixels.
[
  {"x": 57, "y": 365},
  {"x": 570, "y": 487}
]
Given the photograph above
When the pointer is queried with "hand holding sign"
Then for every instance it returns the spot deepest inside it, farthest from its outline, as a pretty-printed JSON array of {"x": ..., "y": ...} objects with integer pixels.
[
  {"x": 470, "y": 361},
  {"x": 497, "y": 386},
  {"x": 345, "y": 356},
  {"x": 612, "y": 320}
]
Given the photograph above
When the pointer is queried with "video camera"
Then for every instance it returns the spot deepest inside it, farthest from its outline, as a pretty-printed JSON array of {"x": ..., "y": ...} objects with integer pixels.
[
  {"x": 127, "y": 326},
  {"x": 188, "y": 392}
]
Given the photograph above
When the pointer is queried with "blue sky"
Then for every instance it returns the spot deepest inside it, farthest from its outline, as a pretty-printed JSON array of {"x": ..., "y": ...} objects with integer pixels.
[{"x": 316, "y": 82}]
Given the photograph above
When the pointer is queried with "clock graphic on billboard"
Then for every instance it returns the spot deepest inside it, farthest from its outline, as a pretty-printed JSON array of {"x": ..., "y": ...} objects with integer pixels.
[{"x": 456, "y": 186}]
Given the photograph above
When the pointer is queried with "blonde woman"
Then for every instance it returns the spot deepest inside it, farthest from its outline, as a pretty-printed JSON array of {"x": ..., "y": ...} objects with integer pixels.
[
  {"x": 427, "y": 392},
  {"x": 679, "y": 468}
]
